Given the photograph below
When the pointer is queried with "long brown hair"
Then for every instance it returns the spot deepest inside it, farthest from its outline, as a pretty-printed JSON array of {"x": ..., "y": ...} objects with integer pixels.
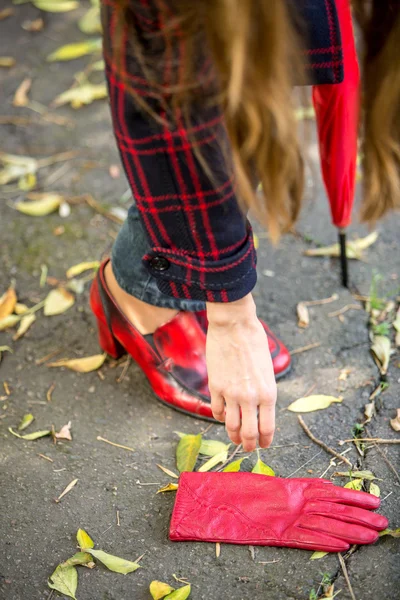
[{"x": 254, "y": 50}]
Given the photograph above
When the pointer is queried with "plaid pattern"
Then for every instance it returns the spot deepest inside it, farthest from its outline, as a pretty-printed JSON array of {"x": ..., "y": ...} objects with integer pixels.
[{"x": 201, "y": 244}]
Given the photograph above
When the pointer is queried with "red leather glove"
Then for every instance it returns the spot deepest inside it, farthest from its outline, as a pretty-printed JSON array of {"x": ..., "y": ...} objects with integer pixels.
[{"x": 245, "y": 508}]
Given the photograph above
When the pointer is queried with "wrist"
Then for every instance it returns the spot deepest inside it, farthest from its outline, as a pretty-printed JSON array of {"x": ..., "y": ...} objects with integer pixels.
[{"x": 230, "y": 313}]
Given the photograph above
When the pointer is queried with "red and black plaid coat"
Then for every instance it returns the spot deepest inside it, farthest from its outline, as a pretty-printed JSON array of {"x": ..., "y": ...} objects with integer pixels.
[{"x": 201, "y": 244}]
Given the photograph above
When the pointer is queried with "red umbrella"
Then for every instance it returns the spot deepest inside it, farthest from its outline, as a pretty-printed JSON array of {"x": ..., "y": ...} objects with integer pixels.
[{"x": 337, "y": 110}]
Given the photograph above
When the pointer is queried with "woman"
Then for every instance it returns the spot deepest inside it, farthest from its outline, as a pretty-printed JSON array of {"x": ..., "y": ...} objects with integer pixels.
[{"x": 201, "y": 103}]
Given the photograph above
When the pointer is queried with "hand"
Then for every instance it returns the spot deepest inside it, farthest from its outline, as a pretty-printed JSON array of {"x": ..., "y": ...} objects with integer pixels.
[{"x": 240, "y": 373}]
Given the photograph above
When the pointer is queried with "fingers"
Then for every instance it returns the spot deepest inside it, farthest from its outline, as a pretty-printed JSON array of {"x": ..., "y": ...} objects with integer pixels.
[
  {"x": 218, "y": 406},
  {"x": 233, "y": 422},
  {"x": 266, "y": 424},
  {"x": 348, "y": 514},
  {"x": 249, "y": 430},
  {"x": 350, "y": 497},
  {"x": 353, "y": 534}
]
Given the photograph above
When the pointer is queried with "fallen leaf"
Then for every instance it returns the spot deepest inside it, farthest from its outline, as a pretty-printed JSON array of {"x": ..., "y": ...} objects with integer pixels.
[
  {"x": 20, "y": 308},
  {"x": 381, "y": 350},
  {"x": 26, "y": 183},
  {"x": 234, "y": 466},
  {"x": 170, "y": 487},
  {"x": 31, "y": 436},
  {"x": 393, "y": 532},
  {"x": 99, "y": 65},
  {"x": 84, "y": 94},
  {"x": 317, "y": 555},
  {"x": 8, "y": 302},
  {"x": 84, "y": 539},
  {"x": 64, "y": 433},
  {"x": 81, "y": 267},
  {"x": 180, "y": 594},
  {"x": 72, "y": 51},
  {"x": 311, "y": 403},
  {"x": 8, "y": 322},
  {"x": 262, "y": 468},
  {"x": 5, "y": 349},
  {"x": 374, "y": 489},
  {"x": 6, "y": 12},
  {"x": 33, "y": 26},
  {"x": 113, "y": 563},
  {"x": 90, "y": 22},
  {"x": 344, "y": 373},
  {"x": 81, "y": 365},
  {"x": 159, "y": 590},
  {"x": 80, "y": 558},
  {"x": 56, "y": 6},
  {"x": 356, "y": 474},
  {"x": 303, "y": 315},
  {"x": 26, "y": 421},
  {"x": 369, "y": 410},
  {"x": 7, "y": 61},
  {"x": 187, "y": 452},
  {"x": 16, "y": 167},
  {"x": 213, "y": 461},
  {"x": 256, "y": 241},
  {"x": 45, "y": 205},
  {"x": 217, "y": 549},
  {"x": 24, "y": 325},
  {"x": 21, "y": 95},
  {"x": 64, "y": 580},
  {"x": 212, "y": 447},
  {"x": 67, "y": 489},
  {"x": 354, "y": 248},
  {"x": 355, "y": 484},
  {"x": 395, "y": 423},
  {"x": 168, "y": 471},
  {"x": 58, "y": 301}
]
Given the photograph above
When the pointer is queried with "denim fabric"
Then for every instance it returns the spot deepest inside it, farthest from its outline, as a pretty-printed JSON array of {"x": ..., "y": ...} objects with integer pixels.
[{"x": 131, "y": 274}]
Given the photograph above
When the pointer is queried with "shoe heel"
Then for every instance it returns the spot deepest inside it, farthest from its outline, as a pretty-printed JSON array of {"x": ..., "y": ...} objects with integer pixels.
[{"x": 108, "y": 342}]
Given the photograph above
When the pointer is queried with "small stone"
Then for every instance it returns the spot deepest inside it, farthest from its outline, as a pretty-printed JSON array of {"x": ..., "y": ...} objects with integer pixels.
[{"x": 92, "y": 389}]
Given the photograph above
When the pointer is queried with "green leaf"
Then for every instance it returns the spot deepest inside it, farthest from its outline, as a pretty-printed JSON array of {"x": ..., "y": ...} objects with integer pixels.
[
  {"x": 84, "y": 539},
  {"x": 374, "y": 489},
  {"x": 159, "y": 590},
  {"x": 180, "y": 594},
  {"x": 355, "y": 484},
  {"x": 212, "y": 447},
  {"x": 317, "y": 555},
  {"x": 25, "y": 422},
  {"x": 90, "y": 22},
  {"x": 31, "y": 436},
  {"x": 234, "y": 466},
  {"x": 80, "y": 558},
  {"x": 214, "y": 461},
  {"x": 84, "y": 94},
  {"x": 71, "y": 51},
  {"x": 311, "y": 403},
  {"x": 113, "y": 563},
  {"x": 64, "y": 580},
  {"x": 187, "y": 452},
  {"x": 356, "y": 474},
  {"x": 262, "y": 468},
  {"x": 393, "y": 532}
]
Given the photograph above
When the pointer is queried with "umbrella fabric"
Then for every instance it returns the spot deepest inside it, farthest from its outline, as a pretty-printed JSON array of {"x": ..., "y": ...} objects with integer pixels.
[{"x": 337, "y": 111}]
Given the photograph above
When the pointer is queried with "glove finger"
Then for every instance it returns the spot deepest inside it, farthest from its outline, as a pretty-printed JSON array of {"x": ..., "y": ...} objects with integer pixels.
[
  {"x": 299, "y": 537},
  {"x": 353, "y": 534},
  {"x": 335, "y": 494},
  {"x": 348, "y": 514}
]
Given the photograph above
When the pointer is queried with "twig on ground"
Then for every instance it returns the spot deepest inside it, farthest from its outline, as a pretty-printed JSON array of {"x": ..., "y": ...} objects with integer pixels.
[
  {"x": 387, "y": 496},
  {"x": 50, "y": 391},
  {"x": 344, "y": 309},
  {"x": 46, "y": 457},
  {"x": 40, "y": 361},
  {"x": 236, "y": 450},
  {"x": 124, "y": 370},
  {"x": 118, "y": 523},
  {"x": 207, "y": 429},
  {"x": 376, "y": 440},
  {"x": 346, "y": 576},
  {"x": 322, "y": 301},
  {"x": 101, "y": 439},
  {"x": 305, "y": 348},
  {"x": 322, "y": 444}
]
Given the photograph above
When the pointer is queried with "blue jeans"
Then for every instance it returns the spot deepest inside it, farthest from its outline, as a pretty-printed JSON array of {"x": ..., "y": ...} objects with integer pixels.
[{"x": 132, "y": 276}]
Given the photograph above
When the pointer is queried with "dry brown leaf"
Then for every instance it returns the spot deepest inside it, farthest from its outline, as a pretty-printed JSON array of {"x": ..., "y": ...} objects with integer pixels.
[
  {"x": 217, "y": 550},
  {"x": 8, "y": 302},
  {"x": 58, "y": 301},
  {"x": 168, "y": 471},
  {"x": 21, "y": 95},
  {"x": 7, "y": 61},
  {"x": 381, "y": 350},
  {"x": 81, "y": 365},
  {"x": 303, "y": 315},
  {"x": 6, "y": 12},
  {"x": 395, "y": 423},
  {"x": 64, "y": 433},
  {"x": 24, "y": 325},
  {"x": 33, "y": 26},
  {"x": 344, "y": 373},
  {"x": 369, "y": 410},
  {"x": 67, "y": 489}
]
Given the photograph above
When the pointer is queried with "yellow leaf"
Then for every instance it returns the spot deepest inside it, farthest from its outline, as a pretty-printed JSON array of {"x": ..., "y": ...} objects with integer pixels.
[
  {"x": 381, "y": 350},
  {"x": 392, "y": 532},
  {"x": 99, "y": 65},
  {"x": 355, "y": 484},
  {"x": 44, "y": 205},
  {"x": 16, "y": 167},
  {"x": 24, "y": 325},
  {"x": 84, "y": 94},
  {"x": 71, "y": 51},
  {"x": 80, "y": 558},
  {"x": 304, "y": 112},
  {"x": 356, "y": 474},
  {"x": 35, "y": 435},
  {"x": 354, "y": 248},
  {"x": 262, "y": 468},
  {"x": 5, "y": 349},
  {"x": 256, "y": 241},
  {"x": 214, "y": 461},
  {"x": 20, "y": 308},
  {"x": 234, "y": 466},
  {"x": 81, "y": 267},
  {"x": 26, "y": 421},
  {"x": 84, "y": 539},
  {"x": 395, "y": 423},
  {"x": 317, "y": 555},
  {"x": 8, "y": 322},
  {"x": 180, "y": 594},
  {"x": 170, "y": 487},
  {"x": 56, "y": 6},
  {"x": 27, "y": 182},
  {"x": 212, "y": 447},
  {"x": 168, "y": 472},
  {"x": 90, "y": 22},
  {"x": 187, "y": 452},
  {"x": 21, "y": 95},
  {"x": 58, "y": 301},
  {"x": 159, "y": 590},
  {"x": 311, "y": 403},
  {"x": 113, "y": 563},
  {"x": 303, "y": 315},
  {"x": 8, "y": 302},
  {"x": 374, "y": 489},
  {"x": 7, "y": 61},
  {"x": 64, "y": 580},
  {"x": 81, "y": 365}
]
